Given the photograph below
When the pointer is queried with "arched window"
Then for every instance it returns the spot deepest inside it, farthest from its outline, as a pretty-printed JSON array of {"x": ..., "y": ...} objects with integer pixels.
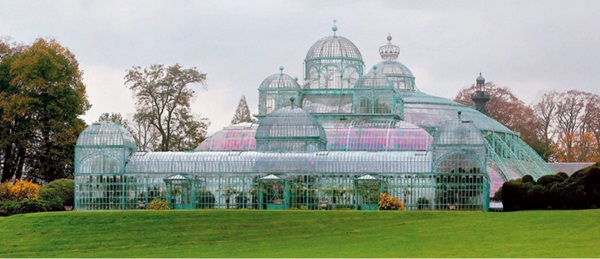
[
  {"x": 364, "y": 105},
  {"x": 383, "y": 105}
]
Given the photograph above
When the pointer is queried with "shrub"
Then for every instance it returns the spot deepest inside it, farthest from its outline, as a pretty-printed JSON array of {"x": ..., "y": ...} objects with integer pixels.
[
  {"x": 5, "y": 191},
  {"x": 498, "y": 194},
  {"x": 528, "y": 179},
  {"x": 158, "y": 204},
  {"x": 11, "y": 207},
  {"x": 423, "y": 203},
  {"x": 563, "y": 175},
  {"x": 58, "y": 193},
  {"x": 548, "y": 179},
  {"x": 24, "y": 190},
  {"x": 389, "y": 202}
]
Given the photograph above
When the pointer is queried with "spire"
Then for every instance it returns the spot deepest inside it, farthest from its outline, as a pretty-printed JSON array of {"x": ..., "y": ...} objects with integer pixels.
[
  {"x": 334, "y": 28},
  {"x": 480, "y": 97}
]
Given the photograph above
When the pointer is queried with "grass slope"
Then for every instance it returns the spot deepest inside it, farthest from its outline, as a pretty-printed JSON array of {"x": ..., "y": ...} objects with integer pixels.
[{"x": 246, "y": 233}]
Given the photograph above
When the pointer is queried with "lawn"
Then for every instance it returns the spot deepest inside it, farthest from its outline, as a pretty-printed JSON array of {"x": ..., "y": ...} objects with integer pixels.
[{"x": 247, "y": 233}]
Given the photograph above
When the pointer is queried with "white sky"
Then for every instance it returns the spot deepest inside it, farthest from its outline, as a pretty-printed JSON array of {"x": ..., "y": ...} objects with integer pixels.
[{"x": 529, "y": 46}]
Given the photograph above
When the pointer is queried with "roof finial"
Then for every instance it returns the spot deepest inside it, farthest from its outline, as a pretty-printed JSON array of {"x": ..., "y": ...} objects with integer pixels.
[
  {"x": 389, "y": 38},
  {"x": 292, "y": 99},
  {"x": 281, "y": 69},
  {"x": 334, "y": 28}
]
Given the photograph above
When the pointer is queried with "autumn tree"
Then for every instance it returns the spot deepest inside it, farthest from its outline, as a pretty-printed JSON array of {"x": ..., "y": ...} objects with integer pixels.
[
  {"x": 41, "y": 96},
  {"x": 507, "y": 109},
  {"x": 576, "y": 127},
  {"x": 242, "y": 113},
  {"x": 164, "y": 99}
]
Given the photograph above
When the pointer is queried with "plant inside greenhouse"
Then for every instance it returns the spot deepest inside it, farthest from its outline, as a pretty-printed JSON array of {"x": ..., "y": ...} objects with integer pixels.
[{"x": 337, "y": 140}]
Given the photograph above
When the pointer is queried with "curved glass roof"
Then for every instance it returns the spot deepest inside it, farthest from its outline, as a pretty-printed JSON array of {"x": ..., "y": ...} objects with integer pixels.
[
  {"x": 107, "y": 134},
  {"x": 235, "y": 137},
  {"x": 429, "y": 111},
  {"x": 377, "y": 135},
  {"x": 333, "y": 47},
  {"x": 279, "y": 81},
  {"x": 374, "y": 79},
  {"x": 264, "y": 163}
]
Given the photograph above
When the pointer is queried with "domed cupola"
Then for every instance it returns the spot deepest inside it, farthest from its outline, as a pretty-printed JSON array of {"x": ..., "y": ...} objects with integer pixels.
[
  {"x": 398, "y": 73},
  {"x": 333, "y": 62},
  {"x": 103, "y": 147},
  {"x": 106, "y": 133},
  {"x": 374, "y": 94},
  {"x": 374, "y": 79},
  {"x": 275, "y": 90},
  {"x": 290, "y": 129},
  {"x": 280, "y": 81}
]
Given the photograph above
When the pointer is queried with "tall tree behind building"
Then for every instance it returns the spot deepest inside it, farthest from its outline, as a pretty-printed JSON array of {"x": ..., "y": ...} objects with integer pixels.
[
  {"x": 164, "y": 99},
  {"x": 577, "y": 136},
  {"x": 242, "y": 113},
  {"x": 41, "y": 96}
]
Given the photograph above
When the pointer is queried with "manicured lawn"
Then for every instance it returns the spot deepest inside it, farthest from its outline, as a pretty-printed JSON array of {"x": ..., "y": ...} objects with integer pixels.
[{"x": 245, "y": 233}]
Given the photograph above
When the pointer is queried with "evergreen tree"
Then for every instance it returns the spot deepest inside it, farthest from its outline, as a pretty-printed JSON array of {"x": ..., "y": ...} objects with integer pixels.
[{"x": 242, "y": 113}]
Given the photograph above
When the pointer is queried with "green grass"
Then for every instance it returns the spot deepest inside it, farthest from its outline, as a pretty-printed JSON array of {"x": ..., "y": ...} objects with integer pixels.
[{"x": 246, "y": 233}]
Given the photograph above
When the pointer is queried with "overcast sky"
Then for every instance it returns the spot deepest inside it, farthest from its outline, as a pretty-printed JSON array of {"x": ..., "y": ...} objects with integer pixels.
[{"x": 529, "y": 46}]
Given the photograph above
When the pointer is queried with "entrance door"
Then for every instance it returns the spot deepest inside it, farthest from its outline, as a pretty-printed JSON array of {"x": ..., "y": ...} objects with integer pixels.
[{"x": 180, "y": 193}]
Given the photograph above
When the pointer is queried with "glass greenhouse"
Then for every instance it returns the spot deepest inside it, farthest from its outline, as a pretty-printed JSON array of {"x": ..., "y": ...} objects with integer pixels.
[{"x": 337, "y": 141}]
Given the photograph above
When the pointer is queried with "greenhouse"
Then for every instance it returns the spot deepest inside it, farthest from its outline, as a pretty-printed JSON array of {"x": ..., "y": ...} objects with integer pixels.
[{"x": 336, "y": 141}]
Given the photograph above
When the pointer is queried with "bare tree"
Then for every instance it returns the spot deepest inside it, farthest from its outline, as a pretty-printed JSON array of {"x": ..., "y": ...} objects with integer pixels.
[
  {"x": 544, "y": 111},
  {"x": 164, "y": 103}
]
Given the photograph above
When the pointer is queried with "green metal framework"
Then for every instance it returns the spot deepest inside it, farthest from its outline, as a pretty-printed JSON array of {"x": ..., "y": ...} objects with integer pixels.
[{"x": 337, "y": 142}]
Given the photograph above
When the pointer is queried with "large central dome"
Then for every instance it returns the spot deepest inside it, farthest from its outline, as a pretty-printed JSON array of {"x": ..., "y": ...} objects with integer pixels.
[{"x": 333, "y": 47}]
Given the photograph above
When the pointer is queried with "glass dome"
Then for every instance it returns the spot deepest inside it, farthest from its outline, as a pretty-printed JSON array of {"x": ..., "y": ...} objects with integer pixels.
[
  {"x": 106, "y": 133},
  {"x": 290, "y": 129},
  {"x": 333, "y": 47},
  {"x": 374, "y": 79},
  {"x": 397, "y": 73},
  {"x": 238, "y": 137},
  {"x": 279, "y": 81}
]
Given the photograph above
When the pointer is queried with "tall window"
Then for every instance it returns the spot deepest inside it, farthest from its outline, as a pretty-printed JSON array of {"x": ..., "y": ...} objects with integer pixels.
[
  {"x": 383, "y": 105},
  {"x": 364, "y": 105}
]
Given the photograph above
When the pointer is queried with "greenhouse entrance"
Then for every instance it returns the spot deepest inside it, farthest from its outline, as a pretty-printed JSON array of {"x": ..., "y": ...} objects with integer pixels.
[
  {"x": 274, "y": 193},
  {"x": 180, "y": 192},
  {"x": 367, "y": 190}
]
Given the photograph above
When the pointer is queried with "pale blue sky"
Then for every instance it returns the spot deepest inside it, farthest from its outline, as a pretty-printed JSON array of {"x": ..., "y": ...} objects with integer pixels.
[{"x": 530, "y": 46}]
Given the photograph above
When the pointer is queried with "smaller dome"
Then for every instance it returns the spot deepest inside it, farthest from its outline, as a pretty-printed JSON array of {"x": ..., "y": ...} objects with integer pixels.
[
  {"x": 374, "y": 79},
  {"x": 480, "y": 80},
  {"x": 106, "y": 133},
  {"x": 389, "y": 51},
  {"x": 238, "y": 137},
  {"x": 279, "y": 81},
  {"x": 290, "y": 129}
]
